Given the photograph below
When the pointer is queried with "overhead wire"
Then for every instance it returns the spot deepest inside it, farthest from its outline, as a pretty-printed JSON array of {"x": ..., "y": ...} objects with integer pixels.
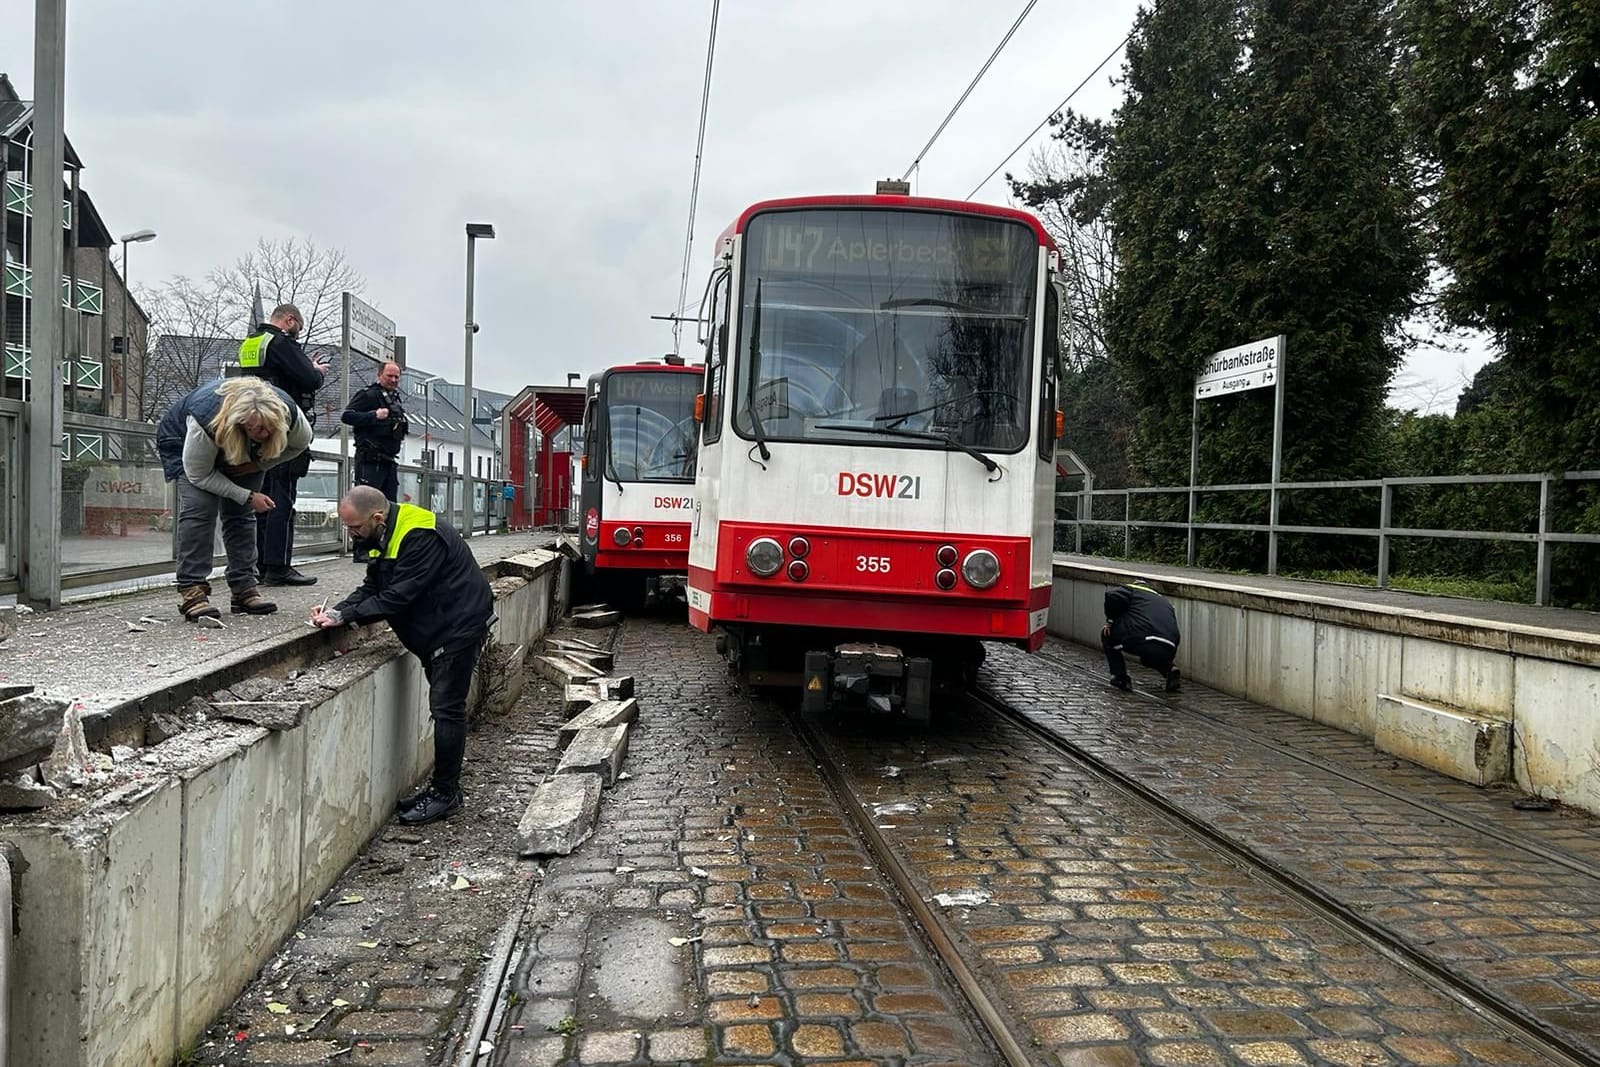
[
  {"x": 915, "y": 163},
  {"x": 1053, "y": 112},
  {"x": 694, "y": 187}
]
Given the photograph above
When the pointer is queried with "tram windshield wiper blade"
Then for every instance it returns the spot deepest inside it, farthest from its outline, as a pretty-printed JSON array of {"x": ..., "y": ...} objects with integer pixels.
[
  {"x": 917, "y": 435},
  {"x": 756, "y": 427},
  {"x": 891, "y": 421},
  {"x": 933, "y": 302}
]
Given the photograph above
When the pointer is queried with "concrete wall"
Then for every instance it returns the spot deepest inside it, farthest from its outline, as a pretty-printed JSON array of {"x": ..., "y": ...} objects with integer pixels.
[
  {"x": 143, "y": 918},
  {"x": 1335, "y": 662}
]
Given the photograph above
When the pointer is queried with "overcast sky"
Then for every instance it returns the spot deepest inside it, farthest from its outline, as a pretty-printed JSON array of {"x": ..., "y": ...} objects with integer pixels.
[{"x": 381, "y": 128}]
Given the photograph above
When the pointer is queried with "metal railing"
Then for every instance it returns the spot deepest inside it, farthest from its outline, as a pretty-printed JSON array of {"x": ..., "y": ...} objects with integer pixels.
[{"x": 1544, "y": 537}]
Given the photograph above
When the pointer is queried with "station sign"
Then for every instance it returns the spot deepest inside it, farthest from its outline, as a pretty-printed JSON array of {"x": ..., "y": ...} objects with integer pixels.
[
  {"x": 371, "y": 331},
  {"x": 1234, "y": 370}
]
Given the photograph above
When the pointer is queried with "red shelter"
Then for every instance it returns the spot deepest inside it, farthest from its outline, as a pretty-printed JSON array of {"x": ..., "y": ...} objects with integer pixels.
[{"x": 541, "y": 473}]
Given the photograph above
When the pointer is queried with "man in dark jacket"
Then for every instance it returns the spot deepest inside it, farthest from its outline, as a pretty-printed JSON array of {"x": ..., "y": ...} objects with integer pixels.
[
  {"x": 273, "y": 352},
  {"x": 1141, "y": 622},
  {"x": 422, "y": 580},
  {"x": 380, "y": 429}
]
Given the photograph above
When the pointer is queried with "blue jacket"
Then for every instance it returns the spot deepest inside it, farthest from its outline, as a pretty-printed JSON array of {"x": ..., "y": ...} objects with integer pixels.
[{"x": 203, "y": 404}]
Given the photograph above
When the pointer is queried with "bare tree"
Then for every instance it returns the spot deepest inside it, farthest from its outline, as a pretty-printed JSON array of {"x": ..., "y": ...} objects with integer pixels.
[
  {"x": 292, "y": 271},
  {"x": 1056, "y": 192},
  {"x": 194, "y": 326}
]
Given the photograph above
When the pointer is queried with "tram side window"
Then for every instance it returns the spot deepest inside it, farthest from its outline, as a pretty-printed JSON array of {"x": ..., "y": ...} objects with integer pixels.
[
  {"x": 716, "y": 361},
  {"x": 591, "y": 425},
  {"x": 1049, "y": 373}
]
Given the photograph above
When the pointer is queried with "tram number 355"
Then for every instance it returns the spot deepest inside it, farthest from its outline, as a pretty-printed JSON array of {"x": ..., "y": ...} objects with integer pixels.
[{"x": 873, "y": 564}]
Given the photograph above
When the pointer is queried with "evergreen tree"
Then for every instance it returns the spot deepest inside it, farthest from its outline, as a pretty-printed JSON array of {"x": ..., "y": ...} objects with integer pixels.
[
  {"x": 1259, "y": 187},
  {"x": 1503, "y": 97}
]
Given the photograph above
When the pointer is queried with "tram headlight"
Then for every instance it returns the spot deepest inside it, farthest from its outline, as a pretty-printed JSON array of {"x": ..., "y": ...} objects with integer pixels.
[
  {"x": 621, "y": 536},
  {"x": 981, "y": 568},
  {"x": 764, "y": 557}
]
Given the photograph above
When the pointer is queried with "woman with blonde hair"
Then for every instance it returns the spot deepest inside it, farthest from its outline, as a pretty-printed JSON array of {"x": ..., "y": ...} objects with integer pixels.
[{"x": 216, "y": 443}]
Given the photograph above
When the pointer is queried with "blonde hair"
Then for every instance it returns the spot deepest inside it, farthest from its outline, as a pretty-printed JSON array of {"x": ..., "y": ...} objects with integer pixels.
[{"x": 242, "y": 398}]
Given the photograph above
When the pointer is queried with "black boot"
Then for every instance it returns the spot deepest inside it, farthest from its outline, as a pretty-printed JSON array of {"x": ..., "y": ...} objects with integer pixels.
[
  {"x": 1174, "y": 680},
  {"x": 433, "y": 806},
  {"x": 285, "y": 576},
  {"x": 410, "y": 799}
]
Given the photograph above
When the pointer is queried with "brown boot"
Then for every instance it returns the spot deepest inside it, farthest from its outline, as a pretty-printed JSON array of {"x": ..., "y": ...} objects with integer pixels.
[
  {"x": 251, "y": 602},
  {"x": 195, "y": 603}
]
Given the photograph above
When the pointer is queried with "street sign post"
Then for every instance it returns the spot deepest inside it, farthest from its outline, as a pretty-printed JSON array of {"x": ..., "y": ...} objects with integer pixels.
[{"x": 1256, "y": 365}]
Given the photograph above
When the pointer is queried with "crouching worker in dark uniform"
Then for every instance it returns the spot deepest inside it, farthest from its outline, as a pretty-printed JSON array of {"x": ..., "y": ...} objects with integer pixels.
[
  {"x": 423, "y": 581},
  {"x": 1140, "y": 622}
]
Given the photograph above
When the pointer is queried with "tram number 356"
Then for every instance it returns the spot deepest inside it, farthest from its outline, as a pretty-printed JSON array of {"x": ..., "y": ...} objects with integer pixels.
[
  {"x": 873, "y": 564},
  {"x": 672, "y": 538}
]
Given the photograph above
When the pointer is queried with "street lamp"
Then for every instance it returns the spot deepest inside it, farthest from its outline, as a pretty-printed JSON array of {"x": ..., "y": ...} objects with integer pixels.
[
  {"x": 475, "y": 230},
  {"x": 136, "y": 237}
]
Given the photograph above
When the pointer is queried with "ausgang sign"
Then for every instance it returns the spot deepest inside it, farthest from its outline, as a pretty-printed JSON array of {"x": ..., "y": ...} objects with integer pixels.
[
  {"x": 1233, "y": 370},
  {"x": 371, "y": 331}
]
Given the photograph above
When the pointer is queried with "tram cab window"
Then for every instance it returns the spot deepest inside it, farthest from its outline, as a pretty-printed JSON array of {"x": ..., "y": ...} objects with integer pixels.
[
  {"x": 591, "y": 437},
  {"x": 1049, "y": 373},
  {"x": 716, "y": 360}
]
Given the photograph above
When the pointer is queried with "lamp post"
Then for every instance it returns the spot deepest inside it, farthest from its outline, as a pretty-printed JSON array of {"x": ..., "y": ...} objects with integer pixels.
[
  {"x": 136, "y": 237},
  {"x": 475, "y": 230}
]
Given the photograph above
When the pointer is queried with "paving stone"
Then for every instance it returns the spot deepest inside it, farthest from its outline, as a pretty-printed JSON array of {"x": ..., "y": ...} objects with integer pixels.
[
  {"x": 613, "y": 1046},
  {"x": 601, "y": 715},
  {"x": 561, "y": 815},
  {"x": 594, "y": 752},
  {"x": 670, "y": 1046}
]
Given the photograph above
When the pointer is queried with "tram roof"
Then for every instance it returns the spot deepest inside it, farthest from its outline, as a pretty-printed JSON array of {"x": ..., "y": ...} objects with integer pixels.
[{"x": 906, "y": 203}]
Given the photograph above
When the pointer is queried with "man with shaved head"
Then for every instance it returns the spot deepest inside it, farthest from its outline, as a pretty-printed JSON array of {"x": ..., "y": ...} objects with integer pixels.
[{"x": 421, "y": 580}]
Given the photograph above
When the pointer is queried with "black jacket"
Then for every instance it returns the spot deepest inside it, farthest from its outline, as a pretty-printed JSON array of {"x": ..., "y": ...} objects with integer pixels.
[
  {"x": 286, "y": 365},
  {"x": 372, "y": 435},
  {"x": 429, "y": 588},
  {"x": 1136, "y": 612}
]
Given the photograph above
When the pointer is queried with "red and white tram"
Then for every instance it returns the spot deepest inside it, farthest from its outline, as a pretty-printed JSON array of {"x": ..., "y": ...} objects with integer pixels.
[
  {"x": 638, "y": 475},
  {"x": 874, "y": 492}
]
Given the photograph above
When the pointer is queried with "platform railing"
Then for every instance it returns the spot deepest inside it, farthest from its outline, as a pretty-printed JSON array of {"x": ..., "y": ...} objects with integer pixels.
[{"x": 1081, "y": 504}]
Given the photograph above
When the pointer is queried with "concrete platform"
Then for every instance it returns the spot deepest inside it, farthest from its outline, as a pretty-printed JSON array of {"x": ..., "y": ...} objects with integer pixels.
[{"x": 1333, "y": 653}]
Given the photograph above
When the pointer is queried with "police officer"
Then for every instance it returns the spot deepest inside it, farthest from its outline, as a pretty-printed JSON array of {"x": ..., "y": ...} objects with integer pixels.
[
  {"x": 1141, "y": 622},
  {"x": 273, "y": 352},
  {"x": 380, "y": 429},
  {"x": 422, "y": 579}
]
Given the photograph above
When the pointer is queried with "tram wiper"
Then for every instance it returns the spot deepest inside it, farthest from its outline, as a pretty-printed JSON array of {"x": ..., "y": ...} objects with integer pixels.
[
  {"x": 756, "y": 428},
  {"x": 917, "y": 435},
  {"x": 933, "y": 302},
  {"x": 891, "y": 421}
]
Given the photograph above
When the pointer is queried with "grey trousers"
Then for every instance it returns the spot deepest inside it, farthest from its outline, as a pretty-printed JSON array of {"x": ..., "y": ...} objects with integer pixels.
[{"x": 197, "y": 524}]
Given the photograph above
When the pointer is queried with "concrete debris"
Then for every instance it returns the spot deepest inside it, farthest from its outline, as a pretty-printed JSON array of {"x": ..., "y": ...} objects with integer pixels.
[
  {"x": 69, "y": 758},
  {"x": 252, "y": 688},
  {"x": 272, "y": 714},
  {"x": 151, "y": 620},
  {"x": 8, "y": 622},
  {"x": 596, "y": 620},
  {"x": 596, "y": 752},
  {"x": 499, "y": 681},
  {"x": 561, "y": 815},
  {"x": 583, "y": 652},
  {"x": 585, "y": 608},
  {"x": 122, "y": 753},
  {"x": 29, "y": 723},
  {"x": 564, "y": 671},
  {"x": 598, "y": 716},
  {"x": 211, "y": 623},
  {"x": 580, "y": 695},
  {"x": 25, "y": 793}
]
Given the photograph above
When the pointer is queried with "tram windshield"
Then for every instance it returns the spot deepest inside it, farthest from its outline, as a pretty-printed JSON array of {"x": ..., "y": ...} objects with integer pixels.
[
  {"x": 903, "y": 327},
  {"x": 650, "y": 427}
]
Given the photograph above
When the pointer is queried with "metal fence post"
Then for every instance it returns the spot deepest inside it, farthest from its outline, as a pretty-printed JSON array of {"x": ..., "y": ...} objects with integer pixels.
[
  {"x": 1385, "y": 510},
  {"x": 1127, "y": 524},
  {"x": 1541, "y": 581}
]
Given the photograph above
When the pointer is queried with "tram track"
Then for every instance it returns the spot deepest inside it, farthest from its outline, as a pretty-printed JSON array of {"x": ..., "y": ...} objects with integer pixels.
[
  {"x": 1470, "y": 994},
  {"x": 1234, "y": 733}
]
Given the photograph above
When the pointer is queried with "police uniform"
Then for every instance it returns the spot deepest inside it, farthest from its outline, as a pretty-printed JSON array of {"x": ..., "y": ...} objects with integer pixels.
[
  {"x": 423, "y": 580},
  {"x": 378, "y": 441},
  {"x": 272, "y": 354},
  {"x": 1140, "y": 622}
]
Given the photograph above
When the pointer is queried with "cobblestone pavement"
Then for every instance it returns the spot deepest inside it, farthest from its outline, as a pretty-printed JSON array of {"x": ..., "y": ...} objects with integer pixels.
[
  {"x": 1118, "y": 938},
  {"x": 1520, "y": 925},
  {"x": 383, "y": 970},
  {"x": 726, "y": 835}
]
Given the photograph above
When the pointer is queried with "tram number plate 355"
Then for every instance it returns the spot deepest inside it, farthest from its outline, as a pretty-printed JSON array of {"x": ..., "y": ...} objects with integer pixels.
[{"x": 872, "y": 564}]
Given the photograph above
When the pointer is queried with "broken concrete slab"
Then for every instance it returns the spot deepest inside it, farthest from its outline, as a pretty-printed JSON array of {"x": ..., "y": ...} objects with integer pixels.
[
  {"x": 29, "y": 723},
  {"x": 591, "y": 607},
  {"x": 25, "y": 793},
  {"x": 561, "y": 815},
  {"x": 272, "y": 714},
  {"x": 596, "y": 752},
  {"x": 580, "y": 695},
  {"x": 568, "y": 641},
  {"x": 596, "y": 620},
  {"x": 161, "y": 727},
  {"x": 598, "y": 658},
  {"x": 69, "y": 758},
  {"x": 564, "y": 671},
  {"x": 597, "y": 716}
]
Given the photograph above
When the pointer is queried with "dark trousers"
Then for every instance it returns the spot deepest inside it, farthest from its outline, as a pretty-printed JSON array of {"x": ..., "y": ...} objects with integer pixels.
[
  {"x": 275, "y": 528},
  {"x": 1152, "y": 652},
  {"x": 381, "y": 474},
  {"x": 449, "y": 677}
]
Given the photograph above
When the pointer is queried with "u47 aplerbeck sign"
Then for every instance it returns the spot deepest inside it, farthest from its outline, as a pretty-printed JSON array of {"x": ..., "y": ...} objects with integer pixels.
[{"x": 1234, "y": 370}]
